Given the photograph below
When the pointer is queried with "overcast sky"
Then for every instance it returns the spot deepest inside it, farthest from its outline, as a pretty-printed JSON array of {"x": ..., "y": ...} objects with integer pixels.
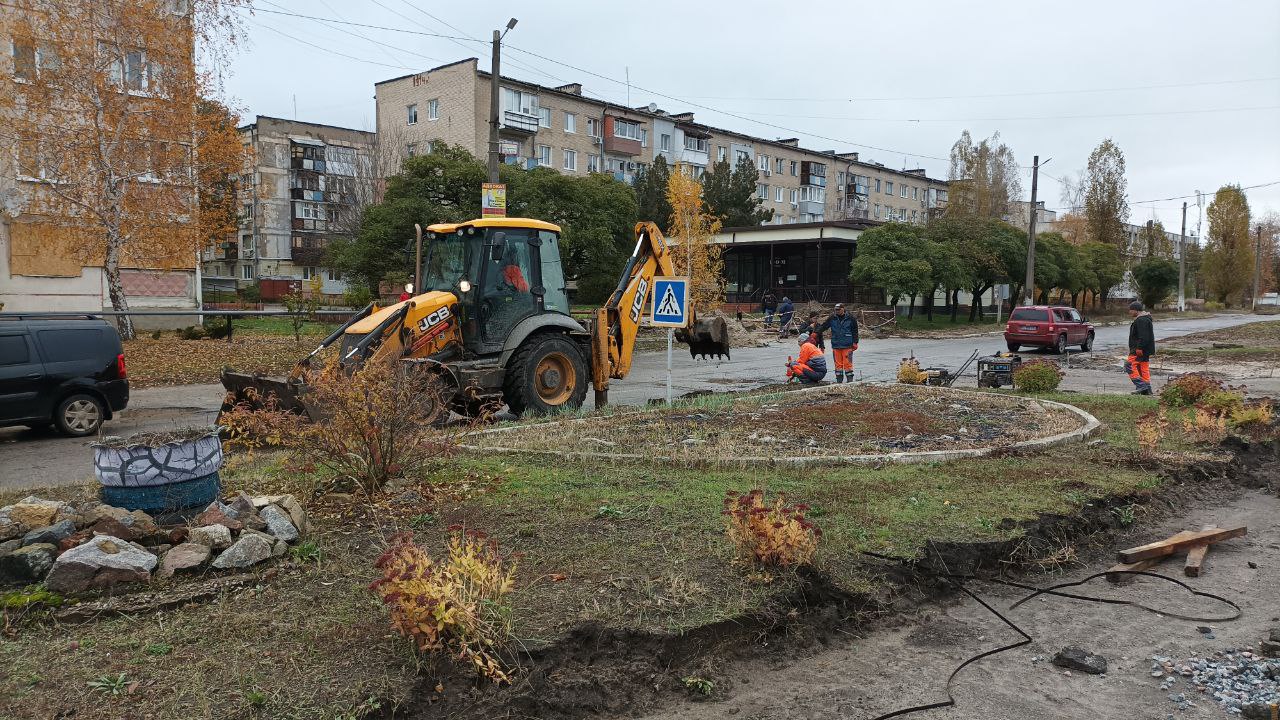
[{"x": 1190, "y": 91}]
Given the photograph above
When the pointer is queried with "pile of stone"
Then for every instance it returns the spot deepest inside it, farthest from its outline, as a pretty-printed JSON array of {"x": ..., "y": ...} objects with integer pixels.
[
  {"x": 1244, "y": 683},
  {"x": 73, "y": 547}
]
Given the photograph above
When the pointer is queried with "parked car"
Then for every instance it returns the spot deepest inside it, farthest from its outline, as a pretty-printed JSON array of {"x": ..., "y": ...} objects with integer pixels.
[
  {"x": 1048, "y": 326},
  {"x": 67, "y": 372}
]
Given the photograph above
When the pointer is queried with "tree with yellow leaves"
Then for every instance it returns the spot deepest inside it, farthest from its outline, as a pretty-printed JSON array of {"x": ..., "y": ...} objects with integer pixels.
[
  {"x": 105, "y": 112},
  {"x": 692, "y": 231}
]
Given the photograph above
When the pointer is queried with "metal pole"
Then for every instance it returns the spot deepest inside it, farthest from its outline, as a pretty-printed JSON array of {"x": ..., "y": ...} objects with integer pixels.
[
  {"x": 417, "y": 260},
  {"x": 1257, "y": 269},
  {"x": 494, "y": 69},
  {"x": 670, "y": 335},
  {"x": 1182, "y": 262},
  {"x": 1028, "y": 295}
]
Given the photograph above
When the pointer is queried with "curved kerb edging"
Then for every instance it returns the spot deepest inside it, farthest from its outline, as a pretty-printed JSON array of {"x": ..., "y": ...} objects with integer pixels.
[{"x": 1091, "y": 426}]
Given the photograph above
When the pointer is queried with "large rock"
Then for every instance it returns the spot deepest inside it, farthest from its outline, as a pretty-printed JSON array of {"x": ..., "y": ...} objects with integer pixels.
[
  {"x": 111, "y": 527},
  {"x": 99, "y": 563},
  {"x": 290, "y": 504},
  {"x": 249, "y": 550},
  {"x": 9, "y": 546},
  {"x": 217, "y": 514},
  {"x": 93, "y": 513},
  {"x": 28, "y": 564},
  {"x": 51, "y": 535},
  {"x": 1073, "y": 658},
  {"x": 279, "y": 524},
  {"x": 141, "y": 523},
  {"x": 8, "y": 528},
  {"x": 214, "y": 536},
  {"x": 33, "y": 514},
  {"x": 185, "y": 557}
]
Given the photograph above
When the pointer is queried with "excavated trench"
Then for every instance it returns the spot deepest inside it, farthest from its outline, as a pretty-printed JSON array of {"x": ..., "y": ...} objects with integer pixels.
[{"x": 594, "y": 670}]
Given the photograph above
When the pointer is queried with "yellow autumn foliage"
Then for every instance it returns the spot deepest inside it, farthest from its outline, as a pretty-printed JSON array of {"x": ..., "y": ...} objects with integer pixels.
[{"x": 691, "y": 233}]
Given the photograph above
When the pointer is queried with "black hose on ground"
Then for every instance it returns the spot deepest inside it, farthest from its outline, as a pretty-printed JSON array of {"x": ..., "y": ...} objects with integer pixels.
[{"x": 956, "y": 581}]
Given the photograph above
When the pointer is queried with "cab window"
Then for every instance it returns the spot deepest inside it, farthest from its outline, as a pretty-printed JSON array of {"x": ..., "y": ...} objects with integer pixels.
[{"x": 556, "y": 297}]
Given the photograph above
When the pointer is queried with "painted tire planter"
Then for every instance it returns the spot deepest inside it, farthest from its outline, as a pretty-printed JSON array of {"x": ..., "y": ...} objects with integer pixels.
[{"x": 167, "y": 476}]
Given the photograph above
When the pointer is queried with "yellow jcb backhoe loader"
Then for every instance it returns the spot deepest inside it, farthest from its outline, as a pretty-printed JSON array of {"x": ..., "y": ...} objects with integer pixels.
[{"x": 492, "y": 325}]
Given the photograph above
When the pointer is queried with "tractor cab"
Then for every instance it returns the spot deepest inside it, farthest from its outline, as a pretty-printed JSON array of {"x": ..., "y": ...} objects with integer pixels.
[{"x": 502, "y": 270}]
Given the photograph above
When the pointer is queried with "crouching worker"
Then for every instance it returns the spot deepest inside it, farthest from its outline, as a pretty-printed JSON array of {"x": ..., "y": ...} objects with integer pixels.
[{"x": 811, "y": 366}]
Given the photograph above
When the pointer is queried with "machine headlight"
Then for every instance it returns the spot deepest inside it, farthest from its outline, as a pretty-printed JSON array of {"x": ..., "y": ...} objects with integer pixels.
[{"x": 464, "y": 285}]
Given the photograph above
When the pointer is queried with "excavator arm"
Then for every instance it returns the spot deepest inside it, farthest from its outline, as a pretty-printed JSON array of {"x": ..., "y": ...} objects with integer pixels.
[{"x": 613, "y": 334}]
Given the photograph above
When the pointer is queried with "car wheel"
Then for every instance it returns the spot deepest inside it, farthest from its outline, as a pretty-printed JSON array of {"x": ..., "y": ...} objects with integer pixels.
[
  {"x": 1087, "y": 345},
  {"x": 1060, "y": 346},
  {"x": 1014, "y": 347},
  {"x": 79, "y": 415}
]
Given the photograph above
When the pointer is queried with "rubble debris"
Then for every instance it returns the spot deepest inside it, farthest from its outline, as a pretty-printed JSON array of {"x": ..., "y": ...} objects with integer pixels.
[
  {"x": 1238, "y": 680},
  {"x": 1074, "y": 658}
]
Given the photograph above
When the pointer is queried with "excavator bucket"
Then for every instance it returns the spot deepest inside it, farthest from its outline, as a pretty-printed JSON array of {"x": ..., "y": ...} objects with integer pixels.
[
  {"x": 260, "y": 391},
  {"x": 707, "y": 338}
]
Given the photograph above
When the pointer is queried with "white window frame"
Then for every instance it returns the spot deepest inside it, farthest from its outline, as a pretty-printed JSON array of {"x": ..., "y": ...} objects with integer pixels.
[
  {"x": 904, "y": 190},
  {"x": 664, "y": 142},
  {"x": 795, "y": 168},
  {"x": 570, "y": 122},
  {"x": 246, "y": 272},
  {"x": 794, "y": 196},
  {"x": 334, "y": 274},
  {"x": 411, "y": 149},
  {"x": 762, "y": 163},
  {"x": 433, "y": 109},
  {"x": 308, "y": 272},
  {"x": 779, "y": 163},
  {"x": 570, "y": 159},
  {"x": 595, "y": 124},
  {"x": 779, "y": 194},
  {"x": 888, "y": 188},
  {"x": 544, "y": 117},
  {"x": 544, "y": 156},
  {"x": 698, "y": 144},
  {"x": 762, "y": 191},
  {"x": 721, "y": 153},
  {"x": 593, "y": 163},
  {"x": 632, "y": 129},
  {"x": 411, "y": 114}
]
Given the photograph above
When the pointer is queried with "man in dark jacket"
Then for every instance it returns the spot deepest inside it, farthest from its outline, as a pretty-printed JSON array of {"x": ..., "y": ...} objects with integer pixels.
[
  {"x": 844, "y": 340},
  {"x": 1142, "y": 346},
  {"x": 813, "y": 326},
  {"x": 785, "y": 312},
  {"x": 770, "y": 304}
]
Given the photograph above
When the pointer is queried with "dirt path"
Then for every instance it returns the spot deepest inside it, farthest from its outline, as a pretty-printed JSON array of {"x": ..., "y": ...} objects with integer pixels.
[{"x": 897, "y": 667}]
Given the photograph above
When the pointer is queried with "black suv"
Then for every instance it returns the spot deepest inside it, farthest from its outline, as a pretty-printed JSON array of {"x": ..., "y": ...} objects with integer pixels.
[{"x": 67, "y": 372}]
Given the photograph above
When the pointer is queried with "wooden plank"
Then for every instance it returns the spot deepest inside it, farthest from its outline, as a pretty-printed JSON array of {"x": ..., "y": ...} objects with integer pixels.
[
  {"x": 1173, "y": 545},
  {"x": 1115, "y": 577},
  {"x": 1195, "y": 558}
]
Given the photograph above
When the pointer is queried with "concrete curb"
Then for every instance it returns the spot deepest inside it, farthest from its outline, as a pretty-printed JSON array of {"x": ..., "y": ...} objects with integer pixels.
[{"x": 1090, "y": 427}]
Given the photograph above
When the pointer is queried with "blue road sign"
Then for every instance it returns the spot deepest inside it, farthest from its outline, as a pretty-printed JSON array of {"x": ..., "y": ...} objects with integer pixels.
[{"x": 670, "y": 301}]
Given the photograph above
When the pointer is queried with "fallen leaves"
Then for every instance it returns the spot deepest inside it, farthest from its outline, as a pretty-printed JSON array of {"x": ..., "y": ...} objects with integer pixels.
[{"x": 172, "y": 361}]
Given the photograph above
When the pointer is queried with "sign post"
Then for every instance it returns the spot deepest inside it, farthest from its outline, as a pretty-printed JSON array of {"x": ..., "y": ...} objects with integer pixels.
[
  {"x": 493, "y": 200},
  {"x": 670, "y": 309}
]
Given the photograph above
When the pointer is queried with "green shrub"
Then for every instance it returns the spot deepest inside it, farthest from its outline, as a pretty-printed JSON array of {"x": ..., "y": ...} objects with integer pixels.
[
  {"x": 357, "y": 297},
  {"x": 1037, "y": 376},
  {"x": 1222, "y": 402},
  {"x": 192, "y": 332},
  {"x": 1213, "y": 305},
  {"x": 1187, "y": 390},
  {"x": 250, "y": 293}
]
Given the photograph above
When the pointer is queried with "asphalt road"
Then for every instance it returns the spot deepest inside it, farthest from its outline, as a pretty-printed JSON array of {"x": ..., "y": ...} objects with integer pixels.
[{"x": 30, "y": 458}]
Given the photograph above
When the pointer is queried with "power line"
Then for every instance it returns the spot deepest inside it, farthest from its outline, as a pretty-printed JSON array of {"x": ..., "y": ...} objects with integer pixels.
[
  {"x": 369, "y": 39},
  {"x": 356, "y": 24},
  {"x": 1196, "y": 111},
  {"x": 988, "y": 95},
  {"x": 1176, "y": 197},
  {"x": 328, "y": 50}
]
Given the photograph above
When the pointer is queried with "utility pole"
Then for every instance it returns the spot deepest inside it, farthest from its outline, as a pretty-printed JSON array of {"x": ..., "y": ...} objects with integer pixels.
[
  {"x": 1182, "y": 262},
  {"x": 1257, "y": 268},
  {"x": 495, "y": 69},
  {"x": 1028, "y": 295}
]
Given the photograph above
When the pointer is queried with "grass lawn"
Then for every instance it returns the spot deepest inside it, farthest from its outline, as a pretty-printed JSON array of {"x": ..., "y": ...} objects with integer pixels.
[{"x": 625, "y": 544}]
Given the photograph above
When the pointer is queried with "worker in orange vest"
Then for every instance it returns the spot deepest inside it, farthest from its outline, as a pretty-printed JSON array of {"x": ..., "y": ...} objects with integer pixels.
[{"x": 811, "y": 366}]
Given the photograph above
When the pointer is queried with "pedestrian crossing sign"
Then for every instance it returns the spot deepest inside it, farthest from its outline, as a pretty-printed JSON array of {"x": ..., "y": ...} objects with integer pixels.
[{"x": 670, "y": 302}]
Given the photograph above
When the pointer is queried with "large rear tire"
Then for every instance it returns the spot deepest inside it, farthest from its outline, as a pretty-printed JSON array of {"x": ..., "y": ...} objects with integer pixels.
[{"x": 545, "y": 374}]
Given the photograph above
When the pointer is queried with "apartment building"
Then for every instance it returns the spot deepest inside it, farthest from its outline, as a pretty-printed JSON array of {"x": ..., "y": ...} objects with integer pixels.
[
  {"x": 562, "y": 128},
  {"x": 59, "y": 64},
  {"x": 304, "y": 184}
]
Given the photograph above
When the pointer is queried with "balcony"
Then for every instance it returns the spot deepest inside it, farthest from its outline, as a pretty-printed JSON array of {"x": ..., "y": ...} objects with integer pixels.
[
  {"x": 519, "y": 122},
  {"x": 301, "y": 163},
  {"x": 810, "y": 207}
]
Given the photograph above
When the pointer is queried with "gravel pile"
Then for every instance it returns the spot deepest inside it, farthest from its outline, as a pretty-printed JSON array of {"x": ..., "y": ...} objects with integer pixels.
[{"x": 1235, "y": 679}]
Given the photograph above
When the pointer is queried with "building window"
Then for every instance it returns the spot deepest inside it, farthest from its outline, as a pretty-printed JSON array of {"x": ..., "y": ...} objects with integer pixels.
[
  {"x": 411, "y": 149},
  {"x": 777, "y": 196},
  {"x": 413, "y": 114},
  {"x": 644, "y": 137},
  {"x": 696, "y": 143},
  {"x": 720, "y": 153},
  {"x": 246, "y": 272},
  {"x": 904, "y": 190},
  {"x": 544, "y": 155},
  {"x": 433, "y": 109},
  {"x": 888, "y": 186},
  {"x": 544, "y": 117},
  {"x": 308, "y": 272},
  {"x": 593, "y": 163},
  {"x": 626, "y": 129},
  {"x": 762, "y": 163},
  {"x": 664, "y": 142},
  {"x": 913, "y": 192},
  {"x": 795, "y": 196},
  {"x": 334, "y": 275},
  {"x": 877, "y": 184},
  {"x": 913, "y": 216},
  {"x": 762, "y": 191},
  {"x": 593, "y": 127},
  {"x": 841, "y": 177},
  {"x": 570, "y": 160},
  {"x": 570, "y": 123},
  {"x": 740, "y": 155},
  {"x": 878, "y": 208},
  {"x": 778, "y": 163}
]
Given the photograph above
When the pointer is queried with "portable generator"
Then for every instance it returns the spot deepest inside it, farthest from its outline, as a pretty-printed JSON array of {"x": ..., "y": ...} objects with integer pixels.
[{"x": 997, "y": 370}]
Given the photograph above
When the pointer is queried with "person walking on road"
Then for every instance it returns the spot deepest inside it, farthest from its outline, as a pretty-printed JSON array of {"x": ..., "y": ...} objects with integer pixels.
[
  {"x": 769, "y": 303},
  {"x": 785, "y": 312},
  {"x": 814, "y": 328},
  {"x": 1142, "y": 346},
  {"x": 811, "y": 366},
  {"x": 844, "y": 340}
]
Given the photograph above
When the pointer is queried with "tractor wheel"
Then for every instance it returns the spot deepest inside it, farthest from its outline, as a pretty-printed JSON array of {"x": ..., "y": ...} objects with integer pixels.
[
  {"x": 547, "y": 373},
  {"x": 433, "y": 393}
]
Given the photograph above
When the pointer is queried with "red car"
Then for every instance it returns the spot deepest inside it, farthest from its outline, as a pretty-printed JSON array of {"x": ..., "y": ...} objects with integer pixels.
[{"x": 1053, "y": 327}]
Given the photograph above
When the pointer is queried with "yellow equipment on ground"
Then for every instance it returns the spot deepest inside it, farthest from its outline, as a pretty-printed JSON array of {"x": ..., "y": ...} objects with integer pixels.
[{"x": 492, "y": 324}]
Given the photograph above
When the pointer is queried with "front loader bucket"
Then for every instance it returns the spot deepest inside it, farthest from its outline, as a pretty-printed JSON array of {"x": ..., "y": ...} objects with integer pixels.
[
  {"x": 708, "y": 338},
  {"x": 260, "y": 391}
]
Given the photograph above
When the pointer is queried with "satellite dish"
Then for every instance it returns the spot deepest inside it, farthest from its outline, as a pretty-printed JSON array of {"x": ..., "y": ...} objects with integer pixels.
[{"x": 653, "y": 107}]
